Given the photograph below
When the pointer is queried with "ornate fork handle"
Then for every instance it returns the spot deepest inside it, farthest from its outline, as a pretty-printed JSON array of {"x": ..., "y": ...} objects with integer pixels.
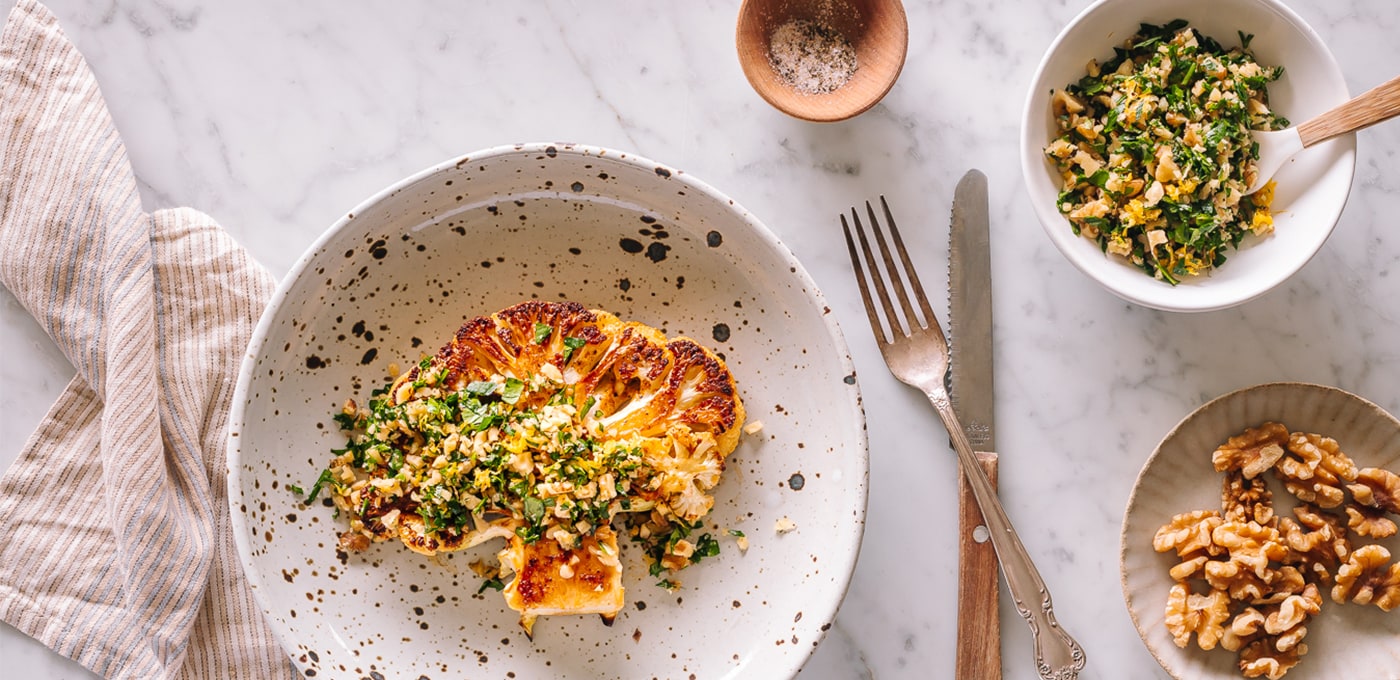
[{"x": 1057, "y": 655}]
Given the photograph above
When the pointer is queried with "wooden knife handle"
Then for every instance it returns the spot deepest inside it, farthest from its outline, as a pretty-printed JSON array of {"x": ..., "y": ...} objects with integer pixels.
[{"x": 979, "y": 626}]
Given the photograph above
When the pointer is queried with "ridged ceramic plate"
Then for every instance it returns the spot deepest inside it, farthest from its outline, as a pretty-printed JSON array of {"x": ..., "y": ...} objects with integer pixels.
[
  {"x": 1344, "y": 641},
  {"x": 396, "y": 278}
]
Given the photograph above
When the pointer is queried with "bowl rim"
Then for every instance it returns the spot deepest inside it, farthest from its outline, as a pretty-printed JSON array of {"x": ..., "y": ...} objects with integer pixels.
[
  {"x": 1052, "y": 223},
  {"x": 258, "y": 340}
]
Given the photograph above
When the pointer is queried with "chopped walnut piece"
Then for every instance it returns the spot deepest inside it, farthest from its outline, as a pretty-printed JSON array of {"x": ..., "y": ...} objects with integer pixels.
[
  {"x": 1188, "y": 533},
  {"x": 351, "y": 541},
  {"x": 1368, "y": 578},
  {"x": 1247, "y": 500},
  {"x": 1261, "y": 659},
  {"x": 1377, "y": 488},
  {"x": 1367, "y": 521},
  {"x": 1252, "y": 451},
  {"x": 1203, "y": 615}
]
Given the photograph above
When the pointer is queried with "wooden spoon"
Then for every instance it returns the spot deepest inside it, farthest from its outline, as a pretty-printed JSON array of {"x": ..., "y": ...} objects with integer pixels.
[
  {"x": 877, "y": 30},
  {"x": 1275, "y": 148}
]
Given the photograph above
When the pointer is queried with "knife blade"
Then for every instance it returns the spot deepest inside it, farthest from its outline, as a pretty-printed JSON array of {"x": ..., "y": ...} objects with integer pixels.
[{"x": 970, "y": 386}]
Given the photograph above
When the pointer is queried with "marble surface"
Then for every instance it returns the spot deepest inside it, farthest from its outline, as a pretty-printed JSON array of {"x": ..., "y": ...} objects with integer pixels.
[{"x": 275, "y": 118}]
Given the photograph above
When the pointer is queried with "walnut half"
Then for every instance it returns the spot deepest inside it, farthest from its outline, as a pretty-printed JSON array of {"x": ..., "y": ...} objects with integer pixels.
[
  {"x": 1368, "y": 578},
  {"x": 1315, "y": 469},
  {"x": 1377, "y": 488},
  {"x": 1203, "y": 615},
  {"x": 1187, "y": 533},
  {"x": 1252, "y": 451}
]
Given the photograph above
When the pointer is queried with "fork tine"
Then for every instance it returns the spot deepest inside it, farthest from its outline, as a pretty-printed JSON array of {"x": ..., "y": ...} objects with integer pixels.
[
  {"x": 909, "y": 267},
  {"x": 880, "y": 333},
  {"x": 897, "y": 329},
  {"x": 895, "y": 282}
]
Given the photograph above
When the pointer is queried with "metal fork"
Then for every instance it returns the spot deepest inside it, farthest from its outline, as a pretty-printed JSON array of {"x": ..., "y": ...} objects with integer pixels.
[{"x": 917, "y": 354}]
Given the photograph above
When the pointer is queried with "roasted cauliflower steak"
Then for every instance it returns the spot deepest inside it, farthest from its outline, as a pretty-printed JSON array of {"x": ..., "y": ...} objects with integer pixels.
[{"x": 552, "y": 426}]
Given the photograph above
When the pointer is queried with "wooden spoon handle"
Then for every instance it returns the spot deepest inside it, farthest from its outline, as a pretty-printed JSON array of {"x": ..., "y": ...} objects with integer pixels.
[
  {"x": 1377, "y": 104},
  {"x": 979, "y": 623}
]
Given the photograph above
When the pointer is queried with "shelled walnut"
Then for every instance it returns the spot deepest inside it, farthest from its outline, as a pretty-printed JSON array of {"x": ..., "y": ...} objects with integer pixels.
[
  {"x": 1330, "y": 553},
  {"x": 1245, "y": 628},
  {"x": 1261, "y": 659},
  {"x": 1368, "y": 577},
  {"x": 1188, "y": 533},
  {"x": 1315, "y": 469},
  {"x": 1315, "y": 551},
  {"x": 1263, "y": 574},
  {"x": 1377, "y": 488},
  {"x": 1252, "y": 451},
  {"x": 1247, "y": 500},
  {"x": 1364, "y": 520},
  {"x": 1190, "y": 613}
]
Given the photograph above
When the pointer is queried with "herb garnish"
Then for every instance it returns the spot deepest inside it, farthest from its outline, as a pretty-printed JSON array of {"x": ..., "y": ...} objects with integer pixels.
[{"x": 1156, "y": 152}]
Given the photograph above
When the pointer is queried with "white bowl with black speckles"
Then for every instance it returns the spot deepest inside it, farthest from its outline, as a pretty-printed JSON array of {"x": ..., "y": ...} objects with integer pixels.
[
  {"x": 1344, "y": 641},
  {"x": 398, "y": 275}
]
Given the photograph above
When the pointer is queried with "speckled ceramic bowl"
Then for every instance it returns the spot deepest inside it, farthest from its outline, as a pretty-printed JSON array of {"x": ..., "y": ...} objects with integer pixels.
[
  {"x": 398, "y": 275},
  {"x": 1344, "y": 641}
]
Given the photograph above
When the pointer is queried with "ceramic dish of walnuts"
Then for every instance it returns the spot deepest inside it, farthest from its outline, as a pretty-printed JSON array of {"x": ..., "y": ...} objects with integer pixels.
[{"x": 1260, "y": 538}]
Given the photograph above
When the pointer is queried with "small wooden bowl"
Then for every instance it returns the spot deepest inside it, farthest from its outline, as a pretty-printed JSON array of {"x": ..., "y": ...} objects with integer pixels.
[{"x": 877, "y": 29}]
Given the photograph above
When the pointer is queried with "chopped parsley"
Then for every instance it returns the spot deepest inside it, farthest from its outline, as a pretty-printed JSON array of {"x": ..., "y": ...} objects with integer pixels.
[
  {"x": 705, "y": 546},
  {"x": 1156, "y": 153},
  {"x": 512, "y": 391},
  {"x": 571, "y": 344},
  {"x": 321, "y": 481}
]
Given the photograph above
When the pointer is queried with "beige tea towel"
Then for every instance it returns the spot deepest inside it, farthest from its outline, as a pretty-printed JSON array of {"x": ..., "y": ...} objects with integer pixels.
[{"x": 115, "y": 545}]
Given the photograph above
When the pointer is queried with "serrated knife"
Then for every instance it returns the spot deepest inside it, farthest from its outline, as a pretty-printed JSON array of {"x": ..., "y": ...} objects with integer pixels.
[{"x": 970, "y": 386}]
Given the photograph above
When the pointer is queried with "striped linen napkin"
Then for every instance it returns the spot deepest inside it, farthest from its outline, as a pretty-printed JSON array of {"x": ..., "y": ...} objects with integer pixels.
[{"x": 115, "y": 544}]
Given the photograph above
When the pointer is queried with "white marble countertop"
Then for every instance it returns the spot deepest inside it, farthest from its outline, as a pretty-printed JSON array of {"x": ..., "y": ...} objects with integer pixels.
[{"x": 277, "y": 117}]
